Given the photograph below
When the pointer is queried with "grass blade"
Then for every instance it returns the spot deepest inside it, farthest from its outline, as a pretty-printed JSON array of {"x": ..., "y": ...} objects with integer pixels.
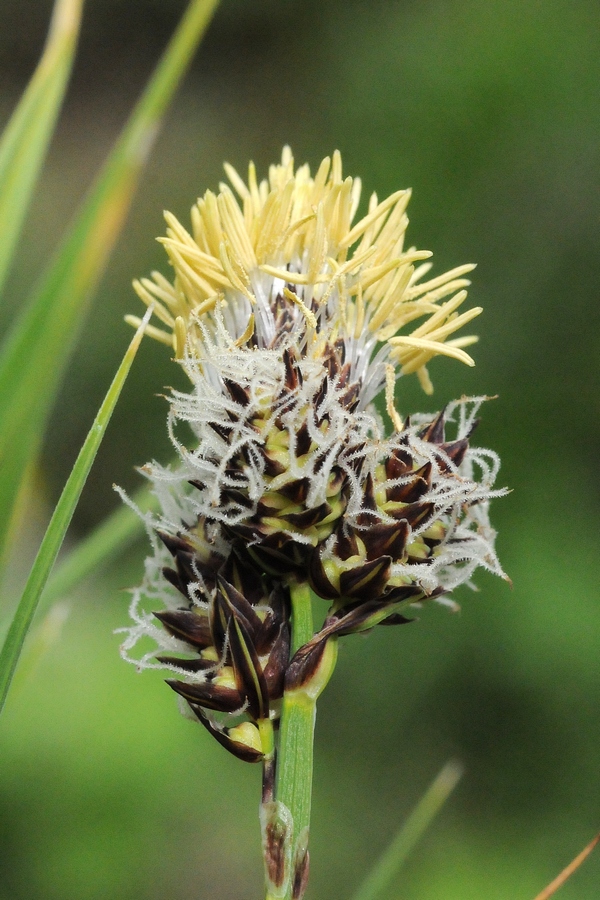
[
  {"x": 35, "y": 353},
  {"x": 411, "y": 831},
  {"x": 25, "y": 139},
  {"x": 55, "y": 533},
  {"x": 108, "y": 541}
]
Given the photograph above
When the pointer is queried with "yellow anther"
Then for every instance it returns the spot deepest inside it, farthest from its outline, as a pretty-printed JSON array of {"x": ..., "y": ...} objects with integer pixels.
[
  {"x": 248, "y": 332},
  {"x": 390, "y": 384},
  {"x": 179, "y": 337},
  {"x": 308, "y": 315},
  {"x": 293, "y": 229}
]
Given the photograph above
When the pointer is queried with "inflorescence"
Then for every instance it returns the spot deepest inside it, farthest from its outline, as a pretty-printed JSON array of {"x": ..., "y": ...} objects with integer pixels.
[{"x": 289, "y": 321}]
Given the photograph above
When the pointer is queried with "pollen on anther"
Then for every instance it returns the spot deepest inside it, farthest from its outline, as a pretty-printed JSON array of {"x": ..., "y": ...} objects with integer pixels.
[{"x": 390, "y": 383}]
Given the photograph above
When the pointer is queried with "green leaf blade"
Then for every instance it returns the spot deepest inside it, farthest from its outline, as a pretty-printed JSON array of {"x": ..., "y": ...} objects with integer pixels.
[
  {"x": 25, "y": 140},
  {"x": 35, "y": 354},
  {"x": 410, "y": 832},
  {"x": 55, "y": 533}
]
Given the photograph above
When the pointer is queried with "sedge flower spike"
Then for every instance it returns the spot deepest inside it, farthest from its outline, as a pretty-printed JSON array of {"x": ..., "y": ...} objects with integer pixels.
[{"x": 290, "y": 318}]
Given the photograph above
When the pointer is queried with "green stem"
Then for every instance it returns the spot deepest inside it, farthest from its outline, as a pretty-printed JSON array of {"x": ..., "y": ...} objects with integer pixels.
[
  {"x": 295, "y": 754},
  {"x": 295, "y": 758},
  {"x": 267, "y": 733}
]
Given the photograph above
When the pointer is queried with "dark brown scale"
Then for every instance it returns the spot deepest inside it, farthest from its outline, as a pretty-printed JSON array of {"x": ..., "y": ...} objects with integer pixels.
[
  {"x": 320, "y": 396},
  {"x": 415, "y": 513},
  {"x": 224, "y": 431},
  {"x": 337, "y": 479},
  {"x": 234, "y": 474},
  {"x": 239, "y": 571},
  {"x": 189, "y": 665},
  {"x": 293, "y": 375},
  {"x": 251, "y": 453},
  {"x": 284, "y": 402},
  {"x": 301, "y": 872},
  {"x": 234, "y": 604},
  {"x": 319, "y": 581},
  {"x": 340, "y": 348},
  {"x": 455, "y": 451},
  {"x": 414, "y": 489},
  {"x": 419, "y": 559},
  {"x": 248, "y": 674},
  {"x": 218, "y": 627},
  {"x": 434, "y": 432},
  {"x": 284, "y": 323},
  {"x": 279, "y": 553},
  {"x": 175, "y": 544},
  {"x": 279, "y": 656},
  {"x": 306, "y": 660},
  {"x": 369, "y": 509},
  {"x": 296, "y": 491},
  {"x": 432, "y": 543},
  {"x": 351, "y": 396},
  {"x": 245, "y": 531},
  {"x": 369, "y": 501},
  {"x": 384, "y": 539},
  {"x": 233, "y": 495},
  {"x": 357, "y": 459},
  {"x": 184, "y": 560},
  {"x": 188, "y": 626},
  {"x": 267, "y": 635},
  {"x": 267, "y": 506},
  {"x": 368, "y": 580},
  {"x": 343, "y": 376},
  {"x": 346, "y": 544},
  {"x": 185, "y": 567},
  {"x": 355, "y": 616},
  {"x": 331, "y": 363},
  {"x": 278, "y": 303},
  {"x": 319, "y": 461},
  {"x": 303, "y": 440},
  {"x": 398, "y": 464},
  {"x": 473, "y": 427},
  {"x": 188, "y": 566},
  {"x": 175, "y": 580},
  {"x": 209, "y": 695},
  {"x": 309, "y": 517},
  {"x": 242, "y": 751},
  {"x": 233, "y": 416},
  {"x": 272, "y": 466},
  {"x": 237, "y": 392}
]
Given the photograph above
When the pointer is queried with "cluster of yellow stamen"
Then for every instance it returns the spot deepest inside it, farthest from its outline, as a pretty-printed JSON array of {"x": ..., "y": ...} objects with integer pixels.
[{"x": 298, "y": 229}]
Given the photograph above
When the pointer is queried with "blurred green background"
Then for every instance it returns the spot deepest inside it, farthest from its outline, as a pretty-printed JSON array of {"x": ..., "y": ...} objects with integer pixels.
[{"x": 488, "y": 109}]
